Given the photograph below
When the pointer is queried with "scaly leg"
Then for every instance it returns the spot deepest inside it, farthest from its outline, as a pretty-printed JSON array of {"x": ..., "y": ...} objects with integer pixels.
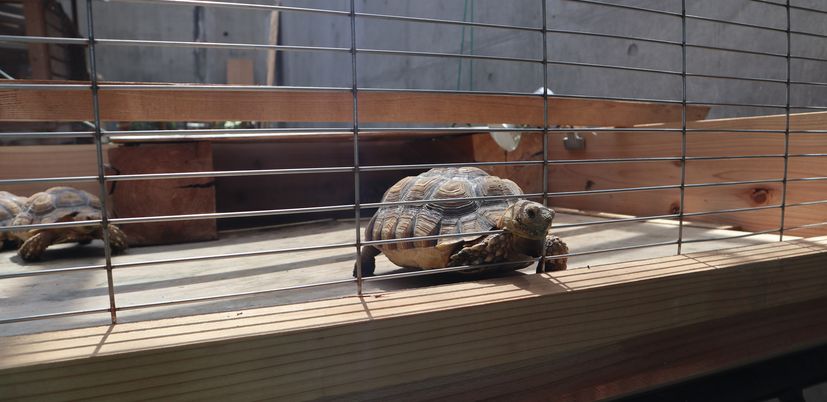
[
  {"x": 490, "y": 250},
  {"x": 368, "y": 261},
  {"x": 554, "y": 246},
  {"x": 34, "y": 246},
  {"x": 117, "y": 239}
]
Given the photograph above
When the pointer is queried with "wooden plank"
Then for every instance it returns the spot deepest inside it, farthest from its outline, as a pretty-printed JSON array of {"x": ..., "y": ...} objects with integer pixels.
[
  {"x": 580, "y": 177},
  {"x": 40, "y": 161},
  {"x": 327, "y": 106},
  {"x": 35, "y": 14},
  {"x": 240, "y": 72},
  {"x": 137, "y": 198},
  {"x": 492, "y": 329}
]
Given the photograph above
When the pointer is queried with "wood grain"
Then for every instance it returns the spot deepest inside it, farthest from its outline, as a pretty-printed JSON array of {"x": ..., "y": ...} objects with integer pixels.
[
  {"x": 136, "y": 198},
  {"x": 599, "y": 145},
  {"x": 327, "y": 106},
  {"x": 23, "y": 162},
  {"x": 398, "y": 342}
]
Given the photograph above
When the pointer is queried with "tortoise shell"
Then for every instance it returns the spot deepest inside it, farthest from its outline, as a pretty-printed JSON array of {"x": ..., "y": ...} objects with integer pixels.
[
  {"x": 438, "y": 218},
  {"x": 59, "y": 204},
  {"x": 10, "y": 206}
]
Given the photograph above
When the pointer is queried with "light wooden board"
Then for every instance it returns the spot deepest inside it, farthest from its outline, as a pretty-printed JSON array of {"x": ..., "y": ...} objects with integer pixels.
[
  {"x": 580, "y": 177},
  {"x": 43, "y": 161},
  {"x": 353, "y": 346},
  {"x": 328, "y": 106}
]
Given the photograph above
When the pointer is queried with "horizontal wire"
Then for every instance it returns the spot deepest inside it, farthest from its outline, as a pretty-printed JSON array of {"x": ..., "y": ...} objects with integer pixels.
[
  {"x": 446, "y": 55},
  {"x": 214, "y": 87},
  {"x": 231, "y": 295},
  {"x": 224, "y": 215},
  {"x": 228, "y": 4},
  {"x": 52, "y": 315},
  {"x": 741, "y": 236},
  {"x": 448, "y": 22},
  {"x": 44, "y": 39},
  {"x": 48, "y": 134},
  {"x": 242, "y": 254},
  {"x": 732, "y": 50},
  {"x": 612, "y": 67},
  {"x": 627, "y": 7},
  {"x": 613, "y": 36},
  {"x": 67, "y": 179},
  {"x": 216, "y": 45},
  {"x": 729, "y": 77},
  {"x": 55, "y": 271},
  {"x": 735, "y": 23},
  {"x": 17, "y": 228}
]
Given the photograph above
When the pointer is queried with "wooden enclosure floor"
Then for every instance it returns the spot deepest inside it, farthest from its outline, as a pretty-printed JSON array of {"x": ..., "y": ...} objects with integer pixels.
[{"x": 183, "y": 280}]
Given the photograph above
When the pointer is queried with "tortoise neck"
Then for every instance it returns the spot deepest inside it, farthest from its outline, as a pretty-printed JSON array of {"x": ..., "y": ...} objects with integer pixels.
[{"x": 522, "y": 245}]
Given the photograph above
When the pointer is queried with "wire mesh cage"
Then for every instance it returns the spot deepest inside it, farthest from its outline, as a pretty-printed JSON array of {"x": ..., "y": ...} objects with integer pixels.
[{"x": 243, "y": 147}]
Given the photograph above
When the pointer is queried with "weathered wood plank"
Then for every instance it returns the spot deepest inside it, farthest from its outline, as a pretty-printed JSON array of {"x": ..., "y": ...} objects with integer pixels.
[
  {"x": 136, "y": 198},
  {"x": 25, "y": 162},
  {"x": 580, "y": 177},
  {"x": 327, "y": 106},
  {"x": 354, "y": 346}
]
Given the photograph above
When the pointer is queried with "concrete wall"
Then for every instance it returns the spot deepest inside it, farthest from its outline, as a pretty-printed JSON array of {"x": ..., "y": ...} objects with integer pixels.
[{"x": 187, "y": 23}]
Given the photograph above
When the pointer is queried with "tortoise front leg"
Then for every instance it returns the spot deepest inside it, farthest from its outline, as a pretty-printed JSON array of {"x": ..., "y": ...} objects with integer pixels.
[
  {"x": 368, "y": 261},
  {"x": 117, "y": 239},
  {"x": 554, "y": 246},
  {"x": 34, "y": 246},
  {"x": 492, "y": 249}
]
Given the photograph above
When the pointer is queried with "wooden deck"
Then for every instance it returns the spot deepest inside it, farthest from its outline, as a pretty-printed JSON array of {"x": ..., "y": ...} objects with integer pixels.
[{"x": 183, "y": 280}]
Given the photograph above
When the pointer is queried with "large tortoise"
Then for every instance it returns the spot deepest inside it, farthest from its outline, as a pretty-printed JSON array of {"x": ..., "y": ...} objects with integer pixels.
[
  {"x": 62, "y": 204},
  {"x": 10, "y": 206},
  {"x": 525, "y": 224}
]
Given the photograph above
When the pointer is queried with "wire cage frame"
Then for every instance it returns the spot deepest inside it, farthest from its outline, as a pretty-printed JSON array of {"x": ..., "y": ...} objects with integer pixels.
[{"x": 100, "y": 136}]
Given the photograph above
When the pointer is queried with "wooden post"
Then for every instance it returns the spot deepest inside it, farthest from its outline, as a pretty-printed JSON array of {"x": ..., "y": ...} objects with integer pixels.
[{"x": 34, "y": 13}]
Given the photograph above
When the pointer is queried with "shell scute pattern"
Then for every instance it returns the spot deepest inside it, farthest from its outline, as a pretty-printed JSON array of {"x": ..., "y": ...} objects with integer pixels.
[
  {"x": 443, "y": 217},
  {"x": 10, "y": 206},
  {"x": 58, "y": 203}
]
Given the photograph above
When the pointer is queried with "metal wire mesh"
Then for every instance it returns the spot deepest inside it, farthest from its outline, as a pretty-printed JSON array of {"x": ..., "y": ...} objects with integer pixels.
[{"x": 356, "y": 130}]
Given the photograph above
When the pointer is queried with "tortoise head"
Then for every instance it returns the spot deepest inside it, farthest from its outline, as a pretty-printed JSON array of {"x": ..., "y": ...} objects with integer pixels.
[{"x": 527, "y": 219}]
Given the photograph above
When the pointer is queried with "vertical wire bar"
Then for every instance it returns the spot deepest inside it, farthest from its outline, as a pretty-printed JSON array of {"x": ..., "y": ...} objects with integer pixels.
[
  {"x": 356, "y": 184},
  {"x": 683, "y": 127},
  {"x": 545, "y": 121},
  {"x": 786, "y": 127},
  {"x": 107, "y": 249}
]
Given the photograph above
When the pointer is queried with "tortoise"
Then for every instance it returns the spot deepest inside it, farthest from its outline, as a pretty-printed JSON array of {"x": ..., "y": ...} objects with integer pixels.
[
  {"x": 525, "y": 224},
  {"x": 10, "y": 206},
  {"x": 62, "y": 204}
]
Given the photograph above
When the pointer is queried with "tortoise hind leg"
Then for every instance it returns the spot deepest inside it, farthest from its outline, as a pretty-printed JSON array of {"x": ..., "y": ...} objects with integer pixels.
[
  {"x": 34, "y": 246},
  {"x": 554, "y": 246},
  {"x": 368, "y": 261}
]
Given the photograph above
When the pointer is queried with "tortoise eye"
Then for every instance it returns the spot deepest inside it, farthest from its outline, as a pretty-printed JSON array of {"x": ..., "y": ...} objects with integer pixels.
[{"x": 530, "y": 213}]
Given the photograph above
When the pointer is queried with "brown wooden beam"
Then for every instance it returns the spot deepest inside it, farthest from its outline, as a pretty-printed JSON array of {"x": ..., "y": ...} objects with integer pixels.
[{"x": 328, "y": 106}]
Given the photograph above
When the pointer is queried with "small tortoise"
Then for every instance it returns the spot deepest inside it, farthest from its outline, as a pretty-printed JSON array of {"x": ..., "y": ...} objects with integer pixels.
[
  {"x": 62, "y": 204},
  {"x": 10, "y": 206},
  {"x": 525, "y": 224}
]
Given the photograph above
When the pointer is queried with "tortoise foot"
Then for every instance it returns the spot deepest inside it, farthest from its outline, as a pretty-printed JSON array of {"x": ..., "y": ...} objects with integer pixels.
[
  {"x": 117, "y": 239},
  {"x": 33, "y": 247},
  {"x": 554, "y": 246}
]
